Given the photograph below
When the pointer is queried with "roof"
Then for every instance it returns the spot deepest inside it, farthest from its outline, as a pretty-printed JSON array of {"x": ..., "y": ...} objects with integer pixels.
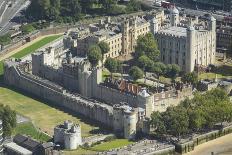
[
  {"x": 26, "y": 142},
  {"x": 19, "y": 139},
  {"x": 18, "y": 149},
  {"x": 174, "y": 30}
]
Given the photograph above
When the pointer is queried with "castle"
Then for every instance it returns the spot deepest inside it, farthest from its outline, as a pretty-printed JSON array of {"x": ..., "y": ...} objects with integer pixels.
[
  {"x": 189, "y": 42},
  {"x": 58, "y": 74},
  {"x": 68, "y": 134}
]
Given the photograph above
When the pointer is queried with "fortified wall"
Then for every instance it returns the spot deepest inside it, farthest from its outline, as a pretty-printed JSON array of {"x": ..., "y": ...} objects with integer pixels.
[{"x": 15, "y": 75}]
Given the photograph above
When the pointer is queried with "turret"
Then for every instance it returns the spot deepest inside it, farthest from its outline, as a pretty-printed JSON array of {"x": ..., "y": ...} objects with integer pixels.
[
  {"x": 174, "y": 16},
  {"x": 190, "y": 49},
  {"x": 154, "y": 26}
]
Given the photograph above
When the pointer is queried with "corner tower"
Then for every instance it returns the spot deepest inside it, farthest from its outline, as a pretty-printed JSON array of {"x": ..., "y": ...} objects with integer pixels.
[{"x": 174, "y": 16}]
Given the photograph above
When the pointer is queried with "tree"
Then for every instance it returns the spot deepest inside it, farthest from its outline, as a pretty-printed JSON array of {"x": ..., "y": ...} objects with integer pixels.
[
  {"x": 112, "y": 65},
  {"x": 158, "y": 123},
  {"x": 136, "y": 73},
  {"x": 94, "y": 55},
  {"x": 133, "y": 5},
  {"x": 107, "y": 4},
  {"x": 145, "y": 63},
  {"x": 173, "y": 70},
  {"x": 159, "y": 68},
  {"x": 8, "y": 117},
  {"x": 105, "y": 48},
  {"x": 177, "y": 121},
  {"x": 190, "y": 78},
  {"x": 147, "y": 45}
]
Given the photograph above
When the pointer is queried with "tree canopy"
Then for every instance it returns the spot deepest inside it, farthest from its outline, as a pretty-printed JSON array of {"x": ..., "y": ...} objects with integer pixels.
[
  {"x": 105, "y": 48},
  {"x": 147, "y": 45},
  {"x": 113, "y": 65},
  {"x": 8, "y": 118},
  {"x": 201, "y": 112},
  {"x": 190, "y": 78},
  {"x": 94, "y": 55},
  {"x": 136, "y": 73},
  {"x": 72, "y": 10}
]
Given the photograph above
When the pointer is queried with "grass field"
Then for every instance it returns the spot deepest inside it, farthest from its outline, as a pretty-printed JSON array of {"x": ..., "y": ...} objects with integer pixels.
[
  {"x": 31, "y": 49},
  {"x": 111, "y": 145},
  {"x": 30, "y": 130},
  {"x": 43, "y": 116},
  {"x": 101, "y": 147}
]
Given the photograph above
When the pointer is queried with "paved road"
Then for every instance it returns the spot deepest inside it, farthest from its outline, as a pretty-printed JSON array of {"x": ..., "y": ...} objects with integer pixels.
[{"x": 10, "y": 12}]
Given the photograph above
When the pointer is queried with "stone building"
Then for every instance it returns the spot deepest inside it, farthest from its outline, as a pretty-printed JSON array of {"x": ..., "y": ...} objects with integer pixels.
[
  {"x": 224, "y": 38},
  {"x": 121, "y": 36},
  {"x": 68, "y": 134},
  {"x": 187, "y": 45}
]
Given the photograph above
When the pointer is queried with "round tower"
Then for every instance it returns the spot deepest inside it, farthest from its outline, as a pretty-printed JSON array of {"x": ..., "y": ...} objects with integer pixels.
[
  {"x": 130, "y": 124},
  {"x": 72, "y": 138},
  {"x": 174, "y": 16},
  {"x": 117, "y": 118}
]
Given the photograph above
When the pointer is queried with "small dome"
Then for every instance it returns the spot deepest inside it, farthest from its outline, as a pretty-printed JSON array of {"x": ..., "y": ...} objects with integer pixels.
[{"x": 174, "y": 11}]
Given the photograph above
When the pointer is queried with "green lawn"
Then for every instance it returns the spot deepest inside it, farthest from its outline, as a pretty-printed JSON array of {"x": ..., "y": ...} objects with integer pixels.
[
  {"x": 101, "y": 147},
  {"x": 111, "y": 145},
  {"x": 43, "y": 116},
  {"x": 30, "y": 130},
  {"x": 31, "y": 49}
]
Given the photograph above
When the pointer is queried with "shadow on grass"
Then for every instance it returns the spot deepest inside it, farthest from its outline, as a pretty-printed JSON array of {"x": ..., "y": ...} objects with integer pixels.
[
  {"x": 102, "y": 129},
  {"x": 224, "y": 70}
]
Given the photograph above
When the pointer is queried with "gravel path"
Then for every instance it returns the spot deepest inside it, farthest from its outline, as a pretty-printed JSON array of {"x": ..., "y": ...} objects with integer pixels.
[{"x": 219, "y": 146}]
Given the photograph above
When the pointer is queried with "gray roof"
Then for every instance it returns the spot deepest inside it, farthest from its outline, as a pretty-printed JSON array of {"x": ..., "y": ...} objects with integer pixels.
[
  {"x": 174, "y": 30},
  {"x": 18, "y": 149}
]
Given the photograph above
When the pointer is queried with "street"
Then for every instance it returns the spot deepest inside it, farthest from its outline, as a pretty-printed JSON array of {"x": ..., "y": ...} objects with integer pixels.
[{"x": 8, "y": 12}]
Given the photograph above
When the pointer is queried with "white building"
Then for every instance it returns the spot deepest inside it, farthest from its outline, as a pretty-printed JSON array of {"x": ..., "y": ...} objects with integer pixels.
[
  {"x": 187, "y": 45},
  {"x": 68, "y": 134}
]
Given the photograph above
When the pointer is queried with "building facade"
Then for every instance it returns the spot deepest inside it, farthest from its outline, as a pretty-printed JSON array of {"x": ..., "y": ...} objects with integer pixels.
[{"x": 187, "y": 45}]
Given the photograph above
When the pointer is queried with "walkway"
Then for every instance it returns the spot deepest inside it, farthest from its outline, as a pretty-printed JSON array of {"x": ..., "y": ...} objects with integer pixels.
[{"x": 219, "y": 146}]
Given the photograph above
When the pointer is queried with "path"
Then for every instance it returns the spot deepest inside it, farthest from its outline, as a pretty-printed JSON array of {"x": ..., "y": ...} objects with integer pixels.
[
  {"x": 9, "y": 54},
  {"x": 218, "y": 146}
]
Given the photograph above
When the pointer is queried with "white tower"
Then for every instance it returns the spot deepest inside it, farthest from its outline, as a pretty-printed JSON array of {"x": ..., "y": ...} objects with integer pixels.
[{"x": 174, "y": 16}]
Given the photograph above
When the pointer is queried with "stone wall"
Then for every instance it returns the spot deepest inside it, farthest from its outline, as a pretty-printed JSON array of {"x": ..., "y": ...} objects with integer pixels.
[
  {"x": 56, "y": 95},
  {"x": 189, "y": 145}
]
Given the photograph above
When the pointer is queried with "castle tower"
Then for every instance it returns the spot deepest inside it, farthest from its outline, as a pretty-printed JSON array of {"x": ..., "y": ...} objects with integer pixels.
[
  {"x": 125, "y": 36},
  {"x": 130, "y": 122},
  {"x": 190, "y": 49},
  {"x": 154, "y": 26},
  {"x": 212, "y": 28},
  {"x": 72, "y": 138},
  {"x": 174, "y": 16}
]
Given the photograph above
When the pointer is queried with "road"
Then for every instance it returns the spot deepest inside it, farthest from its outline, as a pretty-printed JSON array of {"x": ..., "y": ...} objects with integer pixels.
[{"x": 10, "y": 12}]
